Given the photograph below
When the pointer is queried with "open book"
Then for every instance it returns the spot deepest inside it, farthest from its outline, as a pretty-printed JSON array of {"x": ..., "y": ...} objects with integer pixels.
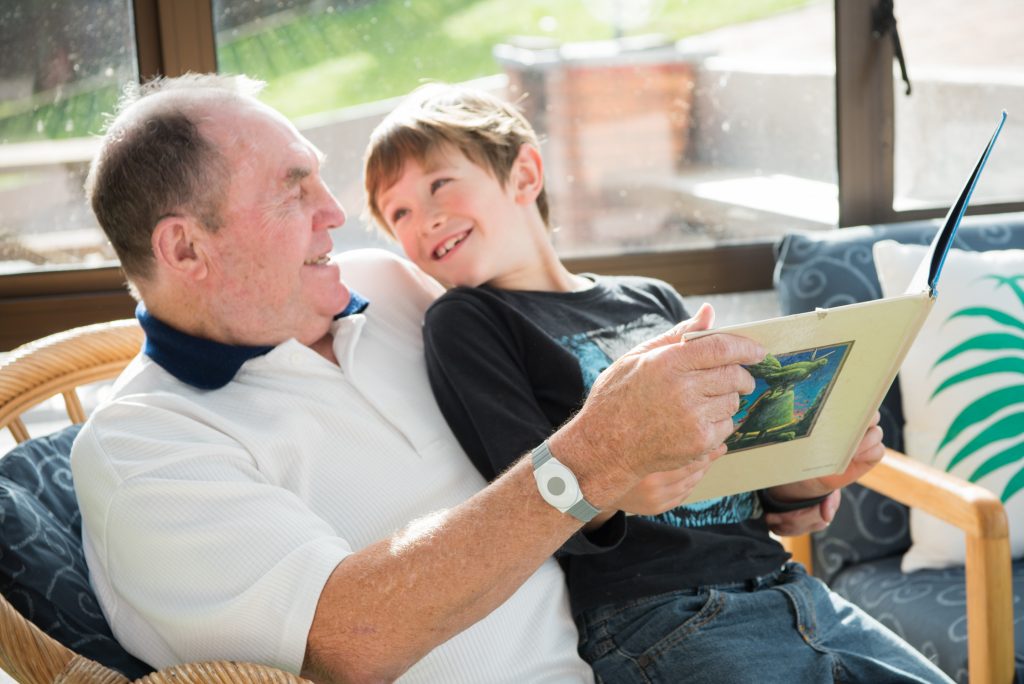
[{"x": 826, "y": 373}]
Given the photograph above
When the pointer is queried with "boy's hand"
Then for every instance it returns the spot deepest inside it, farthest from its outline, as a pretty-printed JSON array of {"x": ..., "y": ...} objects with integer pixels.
[
  {"x": 869, "y": 452},
  {"x": 663, "y": 491},
  {"x": 805, "y": 520}
]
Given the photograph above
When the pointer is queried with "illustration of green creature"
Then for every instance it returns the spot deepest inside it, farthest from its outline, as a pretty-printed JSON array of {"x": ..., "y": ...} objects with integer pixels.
[{"x": 772, "y": 414}]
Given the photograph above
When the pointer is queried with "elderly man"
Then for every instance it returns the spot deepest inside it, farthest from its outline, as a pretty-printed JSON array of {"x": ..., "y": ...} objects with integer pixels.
[{"x": 271, "y": 480}]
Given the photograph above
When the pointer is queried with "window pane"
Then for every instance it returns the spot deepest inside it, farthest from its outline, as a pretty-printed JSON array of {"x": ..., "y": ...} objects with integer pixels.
[
  {"x": 61, "y": 68},
  {"x": 650, "y": 142},
  {"x": 966, "y": 64}
]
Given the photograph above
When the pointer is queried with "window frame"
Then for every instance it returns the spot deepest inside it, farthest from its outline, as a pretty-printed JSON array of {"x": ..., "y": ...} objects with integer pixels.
[{"x": 177, "y": 36}]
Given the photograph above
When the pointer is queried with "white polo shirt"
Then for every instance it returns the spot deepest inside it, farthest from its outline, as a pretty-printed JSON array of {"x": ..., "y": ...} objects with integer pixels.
[{"x": 213, "y": 518}]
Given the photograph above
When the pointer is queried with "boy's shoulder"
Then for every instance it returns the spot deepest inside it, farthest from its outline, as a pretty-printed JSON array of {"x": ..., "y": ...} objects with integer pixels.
[
  {"x": 636, "y": 281},
  {"x": 465, "y": 298}
]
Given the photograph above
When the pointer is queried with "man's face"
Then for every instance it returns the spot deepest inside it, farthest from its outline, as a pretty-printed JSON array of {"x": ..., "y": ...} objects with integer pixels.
[{"x": 269, "y": 263}]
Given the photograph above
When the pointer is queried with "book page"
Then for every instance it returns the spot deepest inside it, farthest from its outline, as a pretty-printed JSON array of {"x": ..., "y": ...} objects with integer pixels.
[{"x": 828, "y": 372}]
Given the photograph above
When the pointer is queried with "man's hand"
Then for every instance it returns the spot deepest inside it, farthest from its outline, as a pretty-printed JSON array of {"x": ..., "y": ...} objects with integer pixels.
[
  {"x": 869, "y": 452},
  {"x": 660, "y": 406}
]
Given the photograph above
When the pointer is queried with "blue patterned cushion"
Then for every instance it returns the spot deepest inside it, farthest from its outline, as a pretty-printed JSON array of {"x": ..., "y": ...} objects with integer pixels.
[
  {"x": 867, "y": 526},
  {"x": 834, "y": 268},
  {"x": 927, "y": 608},
  {"x": 859, "y": 554},
  {"x": 42, "y": 567}
]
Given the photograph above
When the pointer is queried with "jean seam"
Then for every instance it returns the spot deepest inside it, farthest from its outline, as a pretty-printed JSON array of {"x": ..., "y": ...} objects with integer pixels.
[
  {"x": 609, "y": 613},
  {"x": 712, "y": 608}
]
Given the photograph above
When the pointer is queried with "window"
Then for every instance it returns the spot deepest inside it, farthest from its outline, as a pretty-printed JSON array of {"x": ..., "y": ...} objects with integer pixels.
[
  {"x": 959, "y": 86},
  {"x": 61, "y": 68},
  {"x": 783, "y": 114},
  {"x": 650, "y": 142}
]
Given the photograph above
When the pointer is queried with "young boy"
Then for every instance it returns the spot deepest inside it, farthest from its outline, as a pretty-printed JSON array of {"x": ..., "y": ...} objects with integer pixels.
[{"x": 678, "y": 592}]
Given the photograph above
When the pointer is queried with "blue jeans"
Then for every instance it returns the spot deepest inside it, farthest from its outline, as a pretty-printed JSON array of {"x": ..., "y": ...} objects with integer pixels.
[{"x": 785, "y": 627}]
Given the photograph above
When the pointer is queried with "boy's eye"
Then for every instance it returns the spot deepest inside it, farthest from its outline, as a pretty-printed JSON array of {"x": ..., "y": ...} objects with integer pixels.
[
  {"x": 436, "y": 185},
  {"x": 398, "y": 215}
]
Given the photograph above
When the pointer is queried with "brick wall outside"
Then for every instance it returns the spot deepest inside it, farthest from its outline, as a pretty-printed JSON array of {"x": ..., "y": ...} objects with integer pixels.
[{"x": 605, "y": 125}]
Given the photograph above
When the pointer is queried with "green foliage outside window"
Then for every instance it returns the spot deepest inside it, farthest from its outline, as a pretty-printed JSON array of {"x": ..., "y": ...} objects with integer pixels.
[{"x": 323, "y": 57}]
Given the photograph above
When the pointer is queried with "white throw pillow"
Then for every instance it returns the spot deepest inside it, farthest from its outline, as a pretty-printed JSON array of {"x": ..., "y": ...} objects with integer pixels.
[{"x": 963, "y": 386}]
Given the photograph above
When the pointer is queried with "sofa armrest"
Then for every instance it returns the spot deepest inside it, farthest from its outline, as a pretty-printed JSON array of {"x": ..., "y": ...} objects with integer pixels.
[{"x": 982, "y": 518}]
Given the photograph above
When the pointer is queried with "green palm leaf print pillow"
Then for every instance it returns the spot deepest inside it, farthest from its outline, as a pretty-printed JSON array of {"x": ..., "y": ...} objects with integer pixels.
[{"x": 963, "y": 386}]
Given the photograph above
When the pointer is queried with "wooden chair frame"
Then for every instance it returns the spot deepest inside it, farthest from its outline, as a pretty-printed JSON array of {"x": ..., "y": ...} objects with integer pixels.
[
  {"x": 989, "y": 576},
  {"x": 31, "y": 374}
]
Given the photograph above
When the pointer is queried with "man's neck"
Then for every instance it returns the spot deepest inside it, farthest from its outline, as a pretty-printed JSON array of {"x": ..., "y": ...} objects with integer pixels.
[{"x": 325, "y": 348}]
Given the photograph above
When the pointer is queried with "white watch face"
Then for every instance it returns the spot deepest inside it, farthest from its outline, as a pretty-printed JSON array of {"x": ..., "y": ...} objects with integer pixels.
[{"x": 557, "y": 485}]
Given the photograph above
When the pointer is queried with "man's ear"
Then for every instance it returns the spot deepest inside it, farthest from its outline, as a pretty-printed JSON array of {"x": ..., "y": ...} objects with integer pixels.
[
  {"x": 527, "y": 175},
  {"x": 177, "y": 247}
]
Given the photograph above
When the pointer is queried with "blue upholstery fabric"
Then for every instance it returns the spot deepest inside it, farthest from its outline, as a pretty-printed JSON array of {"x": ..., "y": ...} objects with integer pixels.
[
  {"x": 859, "y": 553},
  {"x": 927, "y": 608},
  {"x": 42, "y": 566}
]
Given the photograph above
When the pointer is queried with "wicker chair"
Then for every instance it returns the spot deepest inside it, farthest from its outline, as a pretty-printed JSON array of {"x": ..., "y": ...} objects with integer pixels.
[{"x": 37, "y": 371}]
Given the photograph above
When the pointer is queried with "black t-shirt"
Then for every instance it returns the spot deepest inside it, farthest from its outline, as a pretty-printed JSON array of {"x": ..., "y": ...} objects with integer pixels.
[{"x": 509, "y": 367}]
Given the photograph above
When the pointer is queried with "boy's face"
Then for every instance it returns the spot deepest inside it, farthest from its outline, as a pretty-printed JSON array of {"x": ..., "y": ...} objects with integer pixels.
[{"x": 457, "y": 222}]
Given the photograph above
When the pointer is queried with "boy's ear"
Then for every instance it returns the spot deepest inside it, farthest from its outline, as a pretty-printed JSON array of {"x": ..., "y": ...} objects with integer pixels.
[
  {"x": 527, "y": 175},
  {"x": 177, "y": 243}
]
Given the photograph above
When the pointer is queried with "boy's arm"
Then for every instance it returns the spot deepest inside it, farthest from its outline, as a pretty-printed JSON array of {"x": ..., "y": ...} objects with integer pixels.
[{"x": 477, "y": 366}]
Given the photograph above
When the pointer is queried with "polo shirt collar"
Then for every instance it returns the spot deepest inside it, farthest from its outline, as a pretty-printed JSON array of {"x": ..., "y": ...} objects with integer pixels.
[{"x": 202, "y": 363}]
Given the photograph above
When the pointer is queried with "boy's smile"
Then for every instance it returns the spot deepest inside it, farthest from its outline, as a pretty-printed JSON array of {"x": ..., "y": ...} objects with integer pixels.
[{"x": 450, "y": 244}]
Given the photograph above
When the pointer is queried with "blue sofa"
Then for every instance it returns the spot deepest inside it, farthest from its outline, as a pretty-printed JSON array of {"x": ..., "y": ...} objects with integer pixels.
[{"x": 859, "y": 554}]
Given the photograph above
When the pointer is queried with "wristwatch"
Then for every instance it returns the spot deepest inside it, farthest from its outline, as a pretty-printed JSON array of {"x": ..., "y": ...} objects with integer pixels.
[{"x": 558, "y": 485}]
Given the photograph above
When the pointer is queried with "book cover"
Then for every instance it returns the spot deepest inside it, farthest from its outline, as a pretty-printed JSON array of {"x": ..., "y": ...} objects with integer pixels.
[{"x": 826, "y": 373}]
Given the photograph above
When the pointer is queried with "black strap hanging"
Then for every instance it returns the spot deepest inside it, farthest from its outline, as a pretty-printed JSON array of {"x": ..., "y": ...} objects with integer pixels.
[{"x": 882, "y": 22}]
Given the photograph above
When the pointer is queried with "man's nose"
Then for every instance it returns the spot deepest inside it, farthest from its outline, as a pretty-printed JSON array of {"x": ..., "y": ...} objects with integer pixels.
[{"x": 331, "y": 214}]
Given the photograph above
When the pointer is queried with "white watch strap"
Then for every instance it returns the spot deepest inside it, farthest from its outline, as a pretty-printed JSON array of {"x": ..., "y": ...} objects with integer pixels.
[{"x": 582, "y": 510}]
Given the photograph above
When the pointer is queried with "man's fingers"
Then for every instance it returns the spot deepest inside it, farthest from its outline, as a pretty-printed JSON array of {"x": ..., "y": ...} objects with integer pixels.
[
  {"x": 721, "y": 429},
  {"x": 702, "y": 320},
  {"x": 734, "y": 379},
  {"x": 716, "y": 350}
]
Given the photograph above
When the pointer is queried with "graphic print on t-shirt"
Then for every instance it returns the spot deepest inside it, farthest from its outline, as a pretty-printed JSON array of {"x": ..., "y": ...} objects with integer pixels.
[{"x": 595, "y": 350}]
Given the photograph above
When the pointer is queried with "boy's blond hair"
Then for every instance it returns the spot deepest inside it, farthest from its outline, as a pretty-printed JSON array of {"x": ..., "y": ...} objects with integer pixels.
[{"x": 486, "y": 129}]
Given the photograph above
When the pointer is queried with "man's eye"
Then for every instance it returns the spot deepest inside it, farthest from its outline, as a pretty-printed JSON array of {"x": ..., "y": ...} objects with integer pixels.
[{"x": 436, "y": 185}]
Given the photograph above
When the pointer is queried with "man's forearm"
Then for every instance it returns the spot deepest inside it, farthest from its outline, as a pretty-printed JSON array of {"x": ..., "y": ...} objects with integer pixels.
[
  {"x": 388, "y": 605},
  {"x": 658, "y": 407}
]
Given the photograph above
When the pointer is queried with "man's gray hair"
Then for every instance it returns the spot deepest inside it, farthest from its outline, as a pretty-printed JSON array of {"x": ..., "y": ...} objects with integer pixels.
[{"x": 154, "y": 162}]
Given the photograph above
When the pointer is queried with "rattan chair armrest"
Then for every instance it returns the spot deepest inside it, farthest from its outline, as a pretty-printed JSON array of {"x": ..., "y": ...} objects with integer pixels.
[
  {"x": 221, "y": 672},
  {"x": 52, "y": 365},
  {"x": 32, "y": 657}
]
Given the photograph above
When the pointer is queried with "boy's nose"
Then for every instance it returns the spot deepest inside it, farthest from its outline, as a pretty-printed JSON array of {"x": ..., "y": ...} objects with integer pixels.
[{"x": 435, "y": 221}]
